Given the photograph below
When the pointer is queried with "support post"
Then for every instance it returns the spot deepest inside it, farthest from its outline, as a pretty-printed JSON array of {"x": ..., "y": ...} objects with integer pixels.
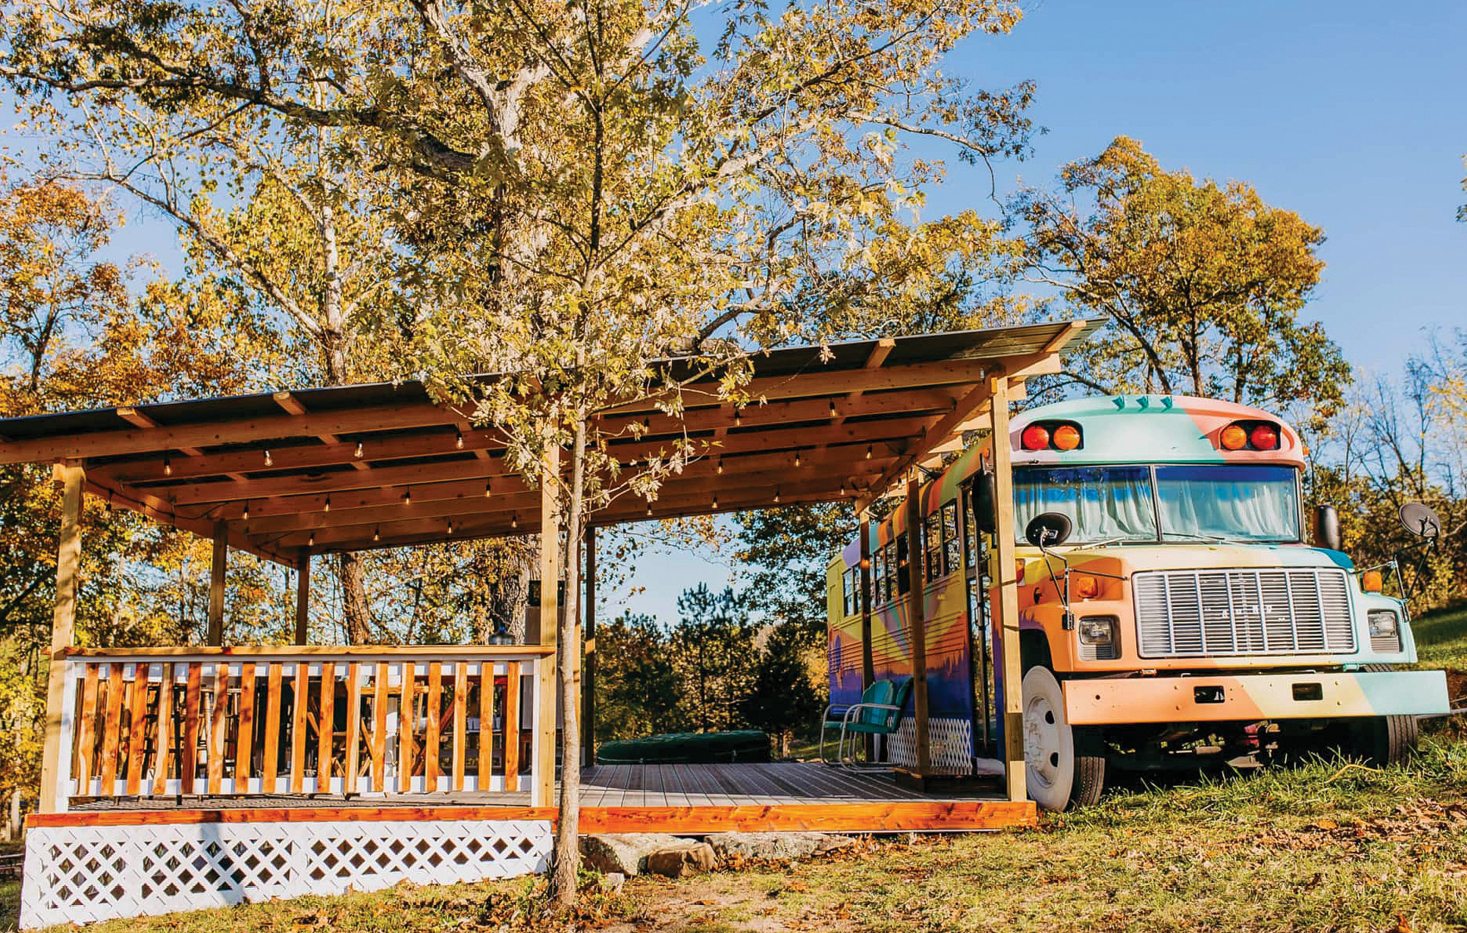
[
  {"x": 63, "y": 622},
  {"x": 588, "y": 678},
  {"x": 917, "y": 614},
  {"x": 216, "y": 583},
  {"x": 1006, "y": 632},
  {"x": 543, "y": 792},
  {"x": 302, "y": 597},
  {"x": 868, "y": 661}
]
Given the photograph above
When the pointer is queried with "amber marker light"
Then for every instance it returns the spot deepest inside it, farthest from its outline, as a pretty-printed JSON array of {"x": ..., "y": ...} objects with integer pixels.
[
  {"x": 1233, "y": 437},
  {"x": 1084, "y": 586},
  {"x": 1371, "y": 582},
  {"x": 1066, "y": 437}
]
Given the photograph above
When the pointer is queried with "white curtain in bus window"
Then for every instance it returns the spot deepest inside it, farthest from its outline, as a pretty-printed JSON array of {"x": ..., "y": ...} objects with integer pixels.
[
  {"x": 1104, "y": 503},
  {"x": 1254, "y": 502}
]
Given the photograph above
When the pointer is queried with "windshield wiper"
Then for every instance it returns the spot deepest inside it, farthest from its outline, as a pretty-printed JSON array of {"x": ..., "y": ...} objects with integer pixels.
[{"x": 1198, "y": 537}]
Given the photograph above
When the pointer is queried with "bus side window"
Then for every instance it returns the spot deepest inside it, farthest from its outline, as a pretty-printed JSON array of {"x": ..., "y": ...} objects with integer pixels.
[
  {"x": 903, "y": 566},
  {"x": 891, "y": 572},
  {"x": 951, "y": 546},
  {"x": 878, "y": 577},
  {"x": 970, "y": 528},
  {"x": 932, "y": 546}
]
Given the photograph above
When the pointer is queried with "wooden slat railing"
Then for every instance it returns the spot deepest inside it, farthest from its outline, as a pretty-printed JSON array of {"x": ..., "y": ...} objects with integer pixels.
[{"x": 256, "y": 722}]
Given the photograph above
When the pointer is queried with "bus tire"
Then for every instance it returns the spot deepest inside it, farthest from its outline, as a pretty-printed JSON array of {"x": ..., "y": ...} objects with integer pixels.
[
  {"x": 1064, "y": 765},
  {"x": 1385, "y": 740}
]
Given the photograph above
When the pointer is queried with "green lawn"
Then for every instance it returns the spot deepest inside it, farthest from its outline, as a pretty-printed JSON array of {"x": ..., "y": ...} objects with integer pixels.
[{"x": 1441, "y": 638}]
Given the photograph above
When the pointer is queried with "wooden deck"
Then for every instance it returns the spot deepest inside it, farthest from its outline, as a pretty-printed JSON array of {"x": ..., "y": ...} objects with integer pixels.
[{"x": 679, "y": 798}]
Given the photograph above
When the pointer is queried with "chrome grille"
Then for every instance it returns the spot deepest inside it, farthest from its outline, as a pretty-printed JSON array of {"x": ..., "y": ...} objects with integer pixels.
[{"x": 1197, "y": 613}]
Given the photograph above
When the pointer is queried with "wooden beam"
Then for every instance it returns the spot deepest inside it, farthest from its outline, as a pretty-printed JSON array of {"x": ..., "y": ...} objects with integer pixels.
[
  {"x": 219, "y": 433},
  {"x": 1006, "y": 629},
  {"x": 917, "y": 616},
  {"x": 139, "y": 420},
  {"x": 935, "y": 435},
  {"x": 63, "y": 629},
  {"x": 303, "y": 598},
  {"x": 542, "y": 794},
  {"x": 156, "y": 510},
  {"x": 880, "y": 352},
  {"x": 217, "y": 571}
]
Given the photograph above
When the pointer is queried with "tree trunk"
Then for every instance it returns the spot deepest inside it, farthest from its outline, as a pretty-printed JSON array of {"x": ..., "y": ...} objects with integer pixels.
[
  {"x": 355, "y": 605},
  {"x": 567, "y": 831}
]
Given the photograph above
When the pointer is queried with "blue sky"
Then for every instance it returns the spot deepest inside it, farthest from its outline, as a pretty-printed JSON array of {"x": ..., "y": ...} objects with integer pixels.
[{"x": 1351, "y": 113}]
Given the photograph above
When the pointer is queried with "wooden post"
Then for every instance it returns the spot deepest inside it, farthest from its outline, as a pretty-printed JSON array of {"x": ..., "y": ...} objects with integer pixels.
[
  {"x": 868, "y": 665},
  {"x": 543, "y": 792},
  {"x": 917, "y": 614},
  {"x": 302, "y": 597},
  {"x": 216, "y": 583},
  {"x": 588, "y": 682},
  {"x": 63, "y": 620},
  {"x": 1006, "y": 631}
]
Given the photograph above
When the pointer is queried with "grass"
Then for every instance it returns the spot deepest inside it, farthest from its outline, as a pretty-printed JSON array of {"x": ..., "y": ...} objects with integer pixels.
[{"x": 1441, "y": 638}]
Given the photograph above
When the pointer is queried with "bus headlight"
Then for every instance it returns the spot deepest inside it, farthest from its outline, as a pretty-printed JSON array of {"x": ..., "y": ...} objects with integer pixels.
[
  {"x": 1098, "y": 630},
  {"x": 1385, "y": 630},
  {"x": 1382, "y": 623}
]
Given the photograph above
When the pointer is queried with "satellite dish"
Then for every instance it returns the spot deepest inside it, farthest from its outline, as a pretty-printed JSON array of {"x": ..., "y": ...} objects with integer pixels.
[
  {"x": 1421, "y": 520},
  {"x": 1048, "y": 529}
]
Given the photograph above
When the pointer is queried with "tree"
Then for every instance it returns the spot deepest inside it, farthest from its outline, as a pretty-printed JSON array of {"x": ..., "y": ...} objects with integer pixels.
[
  {"x": 584, "y": 190},
  {"x": 787, "y": 692},
  {"x": 713, "y": 654},
  {"x": 636, "y": 685},
  {"x": 1201, "y": 283}
]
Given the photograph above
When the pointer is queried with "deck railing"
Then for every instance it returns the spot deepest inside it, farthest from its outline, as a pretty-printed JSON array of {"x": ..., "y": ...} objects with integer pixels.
[{"x": 260, "y": 722}]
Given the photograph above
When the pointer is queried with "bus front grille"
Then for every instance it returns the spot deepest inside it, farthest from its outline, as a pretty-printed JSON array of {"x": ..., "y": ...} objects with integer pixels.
[{"x": 1206, "y": 613}]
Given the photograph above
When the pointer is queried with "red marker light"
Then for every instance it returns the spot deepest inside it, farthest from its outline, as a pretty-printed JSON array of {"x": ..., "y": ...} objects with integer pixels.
[
  {"x": 1264, "y": 437},
  {"x": 1233, "y": 437},
  {"x": 1035, "y": 437},
  {"x": 1066, "y": 437}
]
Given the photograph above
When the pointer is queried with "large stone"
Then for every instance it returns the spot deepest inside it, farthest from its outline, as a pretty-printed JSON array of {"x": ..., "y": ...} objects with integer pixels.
[
  {"x": 679, "y": 861},
  {"x": 625, "y": 853},
  {"x": 775, "y": 847}
]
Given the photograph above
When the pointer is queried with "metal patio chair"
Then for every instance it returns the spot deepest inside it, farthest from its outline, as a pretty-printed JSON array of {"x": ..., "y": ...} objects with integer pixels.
[{"x": 878, "y": 713}]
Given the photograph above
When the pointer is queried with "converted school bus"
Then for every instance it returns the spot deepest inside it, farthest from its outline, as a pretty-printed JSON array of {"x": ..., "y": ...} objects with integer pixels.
[{"x": 1174, "y": 611}]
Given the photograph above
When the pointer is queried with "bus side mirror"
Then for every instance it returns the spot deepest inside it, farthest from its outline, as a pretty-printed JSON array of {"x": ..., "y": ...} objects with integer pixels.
[
  {"x": 1327, "y": 527},
  {"x": 984, "y": 496},
  {"x": 1048, "y": 529}
]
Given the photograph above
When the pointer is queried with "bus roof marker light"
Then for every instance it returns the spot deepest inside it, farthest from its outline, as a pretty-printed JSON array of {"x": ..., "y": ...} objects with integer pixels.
[
  {"x": 1233, "y": 437},
  {"x": 1264, "y": 437},
  {"x": 1166, "y": 402},
  {"x": 1066, "y": 437},
  {"x": 1144, "y": 402},
  {"x": 1120, "y": 401},
  {"x": 1035, "y": 437}
]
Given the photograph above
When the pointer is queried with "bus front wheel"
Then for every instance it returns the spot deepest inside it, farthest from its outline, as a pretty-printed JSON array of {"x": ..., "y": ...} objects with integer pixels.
[{"x": 1064, "y": 764}]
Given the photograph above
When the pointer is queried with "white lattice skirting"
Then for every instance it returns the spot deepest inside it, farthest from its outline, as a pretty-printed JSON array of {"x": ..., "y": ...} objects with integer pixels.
[
  {"x": 950, "y": 741},
  {"x": 87, "y": 873}
]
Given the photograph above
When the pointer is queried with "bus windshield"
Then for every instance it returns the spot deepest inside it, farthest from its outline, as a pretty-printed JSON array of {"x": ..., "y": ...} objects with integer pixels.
[{"x": 1194, "y": 503}]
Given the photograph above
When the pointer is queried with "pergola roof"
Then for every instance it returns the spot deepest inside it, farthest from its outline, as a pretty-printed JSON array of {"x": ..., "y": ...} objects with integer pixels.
[{"x": 381, "y": 465}]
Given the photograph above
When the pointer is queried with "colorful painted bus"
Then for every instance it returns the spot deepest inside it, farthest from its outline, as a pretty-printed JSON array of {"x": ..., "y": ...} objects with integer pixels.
[{"x": 1174, "y": 615}]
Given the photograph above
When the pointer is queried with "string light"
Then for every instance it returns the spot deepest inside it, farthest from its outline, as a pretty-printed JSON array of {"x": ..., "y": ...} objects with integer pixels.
[
  {"x": 407, "y": 497},
  {"x": 776, "y": 495},
  {"x": 715, "y": 500},
  {"x": 450, "y": 526},
  {"x": 842, "y": 489},
  {"x": 458, "y": 440},
  {"x": 797, "y": 458},
  {"x": 269, "y": 460},
  {"x": 167, "y": 467},
  {"x": 247, "y": 510},
  {"x": 649, "y": 508},
  {"x": 326, "y": 506},
  {"x": 311, "y": 541},
  {"x": 738, "y": 417},
  {"x": 377, "y": 534},
  {"x": 868, "y": 451},
  {"x": 360, "y": 450},
  {"x": 719, "y": 469},
  {"x": 832, "y": 409},
  {"x": 514, "y": 520},
  {"x": 488, "y": 488}
]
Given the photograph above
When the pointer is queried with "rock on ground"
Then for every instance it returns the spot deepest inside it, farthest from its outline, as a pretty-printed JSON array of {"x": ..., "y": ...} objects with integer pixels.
[
  {"x": 679, "y": 861},
  {"x": 776, "y": 847},
  {"x": 624, "y": 853}
]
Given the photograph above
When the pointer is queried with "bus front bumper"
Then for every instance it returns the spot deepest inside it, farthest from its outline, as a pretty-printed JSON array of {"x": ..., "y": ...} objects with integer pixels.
[{"x": 1253, "y": 697}]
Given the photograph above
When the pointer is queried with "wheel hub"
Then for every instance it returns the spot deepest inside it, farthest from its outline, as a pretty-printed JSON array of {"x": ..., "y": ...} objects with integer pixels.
[{"x": 1041, "y": 739}]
